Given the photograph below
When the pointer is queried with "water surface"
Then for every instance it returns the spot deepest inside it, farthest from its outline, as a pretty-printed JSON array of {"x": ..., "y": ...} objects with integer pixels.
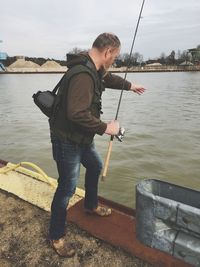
[{"x": 162, "y": 130}]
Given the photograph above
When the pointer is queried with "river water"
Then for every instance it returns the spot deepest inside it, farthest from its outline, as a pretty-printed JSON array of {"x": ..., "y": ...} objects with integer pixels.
[{"x": 162, "y": 139}]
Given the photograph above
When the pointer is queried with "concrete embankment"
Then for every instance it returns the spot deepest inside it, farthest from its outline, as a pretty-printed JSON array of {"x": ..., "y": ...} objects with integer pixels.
[{"x": 156, "y": 69}]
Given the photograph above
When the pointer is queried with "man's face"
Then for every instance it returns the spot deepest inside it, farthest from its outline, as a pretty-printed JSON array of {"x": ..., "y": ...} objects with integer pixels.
[{"x": 110, "y": 55}]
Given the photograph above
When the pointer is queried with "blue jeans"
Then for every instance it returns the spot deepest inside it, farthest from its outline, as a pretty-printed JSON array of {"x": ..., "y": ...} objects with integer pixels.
[{"x": 69, "y": 156}]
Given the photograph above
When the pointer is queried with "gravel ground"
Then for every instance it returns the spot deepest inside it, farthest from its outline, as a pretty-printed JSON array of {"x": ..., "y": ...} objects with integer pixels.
[{"x": 24, "y": 241}]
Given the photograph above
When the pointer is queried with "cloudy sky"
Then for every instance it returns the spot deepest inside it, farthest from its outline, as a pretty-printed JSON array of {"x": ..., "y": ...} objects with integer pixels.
[{"x": 51, "y": 28}]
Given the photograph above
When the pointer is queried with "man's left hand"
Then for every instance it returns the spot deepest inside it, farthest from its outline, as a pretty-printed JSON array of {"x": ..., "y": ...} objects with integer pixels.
[{"x": 138, "y": 89}]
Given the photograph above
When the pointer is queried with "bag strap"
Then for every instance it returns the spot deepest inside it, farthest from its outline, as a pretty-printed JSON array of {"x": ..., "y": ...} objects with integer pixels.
[{"x": 58, "y": 85}]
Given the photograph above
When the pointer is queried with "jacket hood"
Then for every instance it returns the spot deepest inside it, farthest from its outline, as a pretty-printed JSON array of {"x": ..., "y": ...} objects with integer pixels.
[
  {"x": 75, "y": 59},
  {"x": 82, "y": 58}
]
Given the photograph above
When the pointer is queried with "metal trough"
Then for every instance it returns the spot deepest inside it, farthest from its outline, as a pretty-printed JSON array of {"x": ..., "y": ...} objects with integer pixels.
[{"x": 168, "y": 219}]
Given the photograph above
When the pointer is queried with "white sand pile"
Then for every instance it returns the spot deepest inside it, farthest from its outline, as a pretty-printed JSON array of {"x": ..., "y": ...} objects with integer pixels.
[
  {"x": 22, "y": 65},
  {"x": 51, "y": 65}
]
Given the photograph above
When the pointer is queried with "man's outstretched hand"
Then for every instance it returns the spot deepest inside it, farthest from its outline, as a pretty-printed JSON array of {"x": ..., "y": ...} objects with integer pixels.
[{"x": 138, "y": 89}]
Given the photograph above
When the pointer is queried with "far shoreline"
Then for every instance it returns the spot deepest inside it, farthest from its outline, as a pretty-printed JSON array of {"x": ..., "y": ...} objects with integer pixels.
[{"x": 112, "y": 70}]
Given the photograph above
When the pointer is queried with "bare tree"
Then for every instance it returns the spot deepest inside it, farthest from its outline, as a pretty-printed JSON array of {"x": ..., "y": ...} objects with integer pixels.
[{"x": 77, "y": 50}]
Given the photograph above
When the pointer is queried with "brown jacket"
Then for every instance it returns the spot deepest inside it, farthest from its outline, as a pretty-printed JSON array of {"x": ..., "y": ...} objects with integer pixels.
[{"x": 80, "y": 95}]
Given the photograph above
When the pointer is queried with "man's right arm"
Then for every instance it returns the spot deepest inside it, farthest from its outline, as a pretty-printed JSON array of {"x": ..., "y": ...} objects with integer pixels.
[{"x": 116, "y": 82}]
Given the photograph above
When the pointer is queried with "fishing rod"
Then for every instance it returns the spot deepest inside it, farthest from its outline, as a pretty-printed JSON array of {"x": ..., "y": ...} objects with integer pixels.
[{"x": 121, "y": 130}]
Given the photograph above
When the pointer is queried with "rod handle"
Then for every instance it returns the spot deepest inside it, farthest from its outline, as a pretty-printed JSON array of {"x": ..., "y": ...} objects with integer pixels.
[{"x": 107, "y": 160}]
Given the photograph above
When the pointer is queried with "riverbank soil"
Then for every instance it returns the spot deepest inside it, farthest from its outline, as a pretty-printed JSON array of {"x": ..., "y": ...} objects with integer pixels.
[{"x": 24, "y": 241}]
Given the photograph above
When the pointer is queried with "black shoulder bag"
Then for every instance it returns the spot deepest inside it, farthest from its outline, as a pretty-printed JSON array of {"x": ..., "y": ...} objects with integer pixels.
[{"x": 45, "y": 99}]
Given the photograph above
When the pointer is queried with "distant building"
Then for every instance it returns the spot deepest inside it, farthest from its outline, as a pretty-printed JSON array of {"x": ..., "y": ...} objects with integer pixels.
[
  {"x": 3, "y": 56},
  {"x": 195, "y": 53},
  {"x": 155, "y": 65},
  {"x": 186, "y": 63},
  {"x": 20, "y": 57}
]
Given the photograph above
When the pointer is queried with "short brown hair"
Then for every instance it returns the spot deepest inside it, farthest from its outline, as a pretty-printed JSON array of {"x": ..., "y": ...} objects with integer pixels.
[{"x": 105, "y": 40}]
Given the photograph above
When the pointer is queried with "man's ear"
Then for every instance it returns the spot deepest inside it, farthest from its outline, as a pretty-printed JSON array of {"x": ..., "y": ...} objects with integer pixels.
[{"x": 105, "y": 53}]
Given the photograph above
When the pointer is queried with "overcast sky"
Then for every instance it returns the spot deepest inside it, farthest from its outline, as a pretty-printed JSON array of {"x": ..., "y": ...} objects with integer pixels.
[{"x": 51, "y": 28}]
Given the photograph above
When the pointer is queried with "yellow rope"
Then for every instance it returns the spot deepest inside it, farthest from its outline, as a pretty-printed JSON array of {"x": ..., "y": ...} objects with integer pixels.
[{"x": 30, "y": 164}]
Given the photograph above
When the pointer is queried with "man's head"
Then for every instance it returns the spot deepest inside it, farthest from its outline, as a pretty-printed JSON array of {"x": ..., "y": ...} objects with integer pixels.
[{"x": 107, "y": 48}]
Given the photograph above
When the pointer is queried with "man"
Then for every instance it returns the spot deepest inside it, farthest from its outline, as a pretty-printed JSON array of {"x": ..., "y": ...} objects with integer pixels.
[{"x": 75, "y": 121}]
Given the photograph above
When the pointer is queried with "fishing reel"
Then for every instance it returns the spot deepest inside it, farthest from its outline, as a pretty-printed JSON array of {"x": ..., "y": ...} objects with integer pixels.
[{"x": 120, "y": 134}]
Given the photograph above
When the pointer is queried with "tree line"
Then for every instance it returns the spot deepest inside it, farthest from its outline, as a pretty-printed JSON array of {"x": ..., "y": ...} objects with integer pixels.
[
  {"x": 136, "y": 59},
  {"x": 124, "y": 59}
]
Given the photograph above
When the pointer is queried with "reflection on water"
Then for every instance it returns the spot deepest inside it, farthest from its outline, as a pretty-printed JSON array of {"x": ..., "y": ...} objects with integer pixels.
[{"x": 162, "y": 130}]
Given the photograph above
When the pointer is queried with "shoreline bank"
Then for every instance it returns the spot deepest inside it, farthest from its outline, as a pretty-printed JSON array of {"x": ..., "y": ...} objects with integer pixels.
[
  {"x": 36, "y": 190},
  {"x": 113, "y": 70},
  {"x": 24, "y": 242}
]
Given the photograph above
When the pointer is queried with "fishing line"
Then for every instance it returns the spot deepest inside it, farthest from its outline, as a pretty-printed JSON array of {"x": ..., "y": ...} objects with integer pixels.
[
  {"x": 120, "y": 98},
  {"x": 129, "y": 61}
]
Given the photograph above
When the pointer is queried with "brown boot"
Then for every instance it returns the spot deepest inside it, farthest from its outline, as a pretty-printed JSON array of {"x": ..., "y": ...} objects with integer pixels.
[
  {"x": 62, "y": 248},
  {"x": 100, "y": 211}
]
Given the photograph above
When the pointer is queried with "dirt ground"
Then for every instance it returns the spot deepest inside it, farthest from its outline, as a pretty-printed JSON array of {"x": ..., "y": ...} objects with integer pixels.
[{"x": 24, "y": 241}]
